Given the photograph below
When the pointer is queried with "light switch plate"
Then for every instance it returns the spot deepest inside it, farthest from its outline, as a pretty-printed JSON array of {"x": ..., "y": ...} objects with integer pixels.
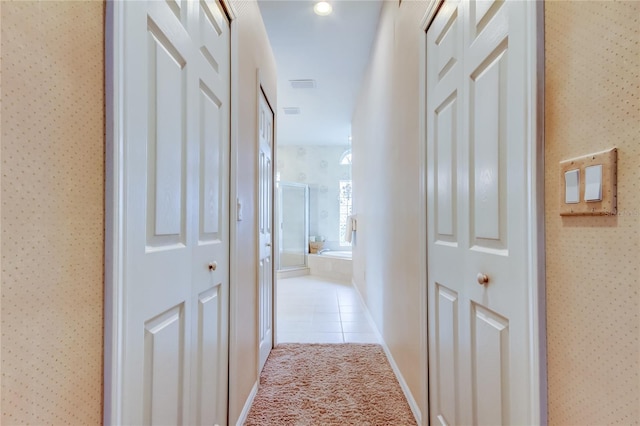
[{"x": 608, "y": 192}]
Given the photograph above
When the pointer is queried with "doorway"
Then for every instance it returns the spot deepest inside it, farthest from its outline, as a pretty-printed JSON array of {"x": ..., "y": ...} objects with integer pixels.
[
  {"x": 316, "y": 302},
  {"x": 313, "y": 136}
]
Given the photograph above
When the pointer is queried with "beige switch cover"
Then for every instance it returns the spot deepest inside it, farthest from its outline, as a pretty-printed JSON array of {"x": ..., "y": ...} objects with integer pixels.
[{"x": 608, "y": 203}]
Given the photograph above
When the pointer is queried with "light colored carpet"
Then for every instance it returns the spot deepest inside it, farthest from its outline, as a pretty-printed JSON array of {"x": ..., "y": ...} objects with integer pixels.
[{"x": 329, "y": 384}]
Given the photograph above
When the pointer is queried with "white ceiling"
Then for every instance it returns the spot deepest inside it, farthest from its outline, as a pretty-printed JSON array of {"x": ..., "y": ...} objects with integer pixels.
[{"x": 332, "y": 50}]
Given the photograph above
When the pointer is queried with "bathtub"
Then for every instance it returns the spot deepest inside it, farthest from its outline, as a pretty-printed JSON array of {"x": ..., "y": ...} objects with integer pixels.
[
  {"x": 335, "y": 265},
  {"x": 338, "y": 254}
]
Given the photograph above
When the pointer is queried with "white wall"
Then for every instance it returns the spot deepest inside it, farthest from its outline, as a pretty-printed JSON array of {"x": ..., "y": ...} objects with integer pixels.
[
  {"x": 386, "y": 177},
  {"x": 319, "y": 167},
  {"x": 254, "y": 52}
]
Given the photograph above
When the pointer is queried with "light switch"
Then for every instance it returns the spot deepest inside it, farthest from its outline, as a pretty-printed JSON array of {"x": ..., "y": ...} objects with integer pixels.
[
  {"x": 593, "y": 183},
  {"x": 572, "y": 186}
]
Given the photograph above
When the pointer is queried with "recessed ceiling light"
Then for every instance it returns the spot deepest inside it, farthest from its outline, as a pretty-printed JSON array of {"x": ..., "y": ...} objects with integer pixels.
[{"x": 322, "y": 8}]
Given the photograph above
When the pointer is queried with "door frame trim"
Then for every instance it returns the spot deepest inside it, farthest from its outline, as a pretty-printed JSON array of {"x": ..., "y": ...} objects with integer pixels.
[
  {"x": 534, "y": 33},
  {"x": 114, "y": 202},
  {"x": 430, "y": 13},
  {"x": 537, "y": 249},
  {"x": 114, "y": 212},
  {"x": 232, "y": 14}
]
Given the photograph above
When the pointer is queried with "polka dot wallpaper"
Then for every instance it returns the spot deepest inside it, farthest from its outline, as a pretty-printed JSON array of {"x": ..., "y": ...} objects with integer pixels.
[
  {"x": 592, "y": 103},
  {"x": 52, "y": 212}
]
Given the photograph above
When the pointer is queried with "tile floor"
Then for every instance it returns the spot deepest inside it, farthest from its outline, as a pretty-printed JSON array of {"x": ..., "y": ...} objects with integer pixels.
[{"x": 316, "y": 310}]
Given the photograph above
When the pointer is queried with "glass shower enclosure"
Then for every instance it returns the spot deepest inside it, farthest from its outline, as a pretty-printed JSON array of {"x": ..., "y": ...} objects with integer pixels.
[{"x": 293, "y": 206}]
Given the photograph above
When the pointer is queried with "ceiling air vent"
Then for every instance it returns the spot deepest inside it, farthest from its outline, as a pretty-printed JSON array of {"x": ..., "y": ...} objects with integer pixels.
[
  {"x": 291, "y": 110},
  {"x": 303, "y": 84}
]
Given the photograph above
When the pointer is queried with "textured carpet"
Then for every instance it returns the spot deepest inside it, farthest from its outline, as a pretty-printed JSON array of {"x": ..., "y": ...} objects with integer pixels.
[{"x": 329, "y": 384}]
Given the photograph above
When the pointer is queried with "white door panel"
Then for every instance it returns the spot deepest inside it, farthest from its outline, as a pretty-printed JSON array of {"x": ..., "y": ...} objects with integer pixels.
[
  {"x": 448, "y": 401},
  {"x": 265, "y": 219},
  {"x": 490, "y": 366},
  {"x": 163, "y": 367},
  {"x": 176, "y": 180},
  {"x": 477, "y": 215},
  {"x": 447, "y": 355},
  {"x": 210, "y": 261}
]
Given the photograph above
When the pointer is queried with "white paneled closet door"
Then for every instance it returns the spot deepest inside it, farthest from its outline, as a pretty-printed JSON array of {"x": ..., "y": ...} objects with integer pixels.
[
  {"x": 174, "y": 295},
  {"x": 480, "y": 324},
  {"x": 265, "y": 227}
]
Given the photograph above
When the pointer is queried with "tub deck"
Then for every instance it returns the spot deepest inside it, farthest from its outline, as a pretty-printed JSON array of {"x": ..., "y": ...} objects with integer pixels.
[{"x": 335, "y": 265}]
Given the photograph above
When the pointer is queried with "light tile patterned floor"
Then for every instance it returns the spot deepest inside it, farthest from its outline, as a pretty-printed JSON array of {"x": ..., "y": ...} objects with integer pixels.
[{"x": 316, "y": 310}]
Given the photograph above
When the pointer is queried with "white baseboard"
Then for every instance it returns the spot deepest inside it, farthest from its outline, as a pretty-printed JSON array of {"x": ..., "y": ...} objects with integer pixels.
[
  {"x": 247, "y": 405},
  {"x": 415, "y": 408}
]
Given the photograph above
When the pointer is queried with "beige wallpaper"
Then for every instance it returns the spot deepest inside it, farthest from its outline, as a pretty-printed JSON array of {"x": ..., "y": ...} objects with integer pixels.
[
  {"x": 593, "y": 263},
  {"x": 52, "y": 212}
]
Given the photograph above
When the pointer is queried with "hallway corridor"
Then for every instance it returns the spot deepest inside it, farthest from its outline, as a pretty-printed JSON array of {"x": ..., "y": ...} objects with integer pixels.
[{"x": 133, "y": 233}]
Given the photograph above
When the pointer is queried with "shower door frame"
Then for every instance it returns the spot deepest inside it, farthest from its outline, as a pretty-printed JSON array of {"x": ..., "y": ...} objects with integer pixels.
[{"x": 280, "y": 222}]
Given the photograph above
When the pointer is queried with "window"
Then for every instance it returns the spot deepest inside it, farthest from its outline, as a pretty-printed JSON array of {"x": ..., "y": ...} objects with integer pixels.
[
  {"x": 345, "y": 159},
  {"x": 345, "y": 209}
]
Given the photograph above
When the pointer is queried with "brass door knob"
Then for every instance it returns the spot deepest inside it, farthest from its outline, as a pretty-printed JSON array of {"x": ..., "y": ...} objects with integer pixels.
[
  {"x": 483, "y": 279},
  {"x": 213, "y": 266}
]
